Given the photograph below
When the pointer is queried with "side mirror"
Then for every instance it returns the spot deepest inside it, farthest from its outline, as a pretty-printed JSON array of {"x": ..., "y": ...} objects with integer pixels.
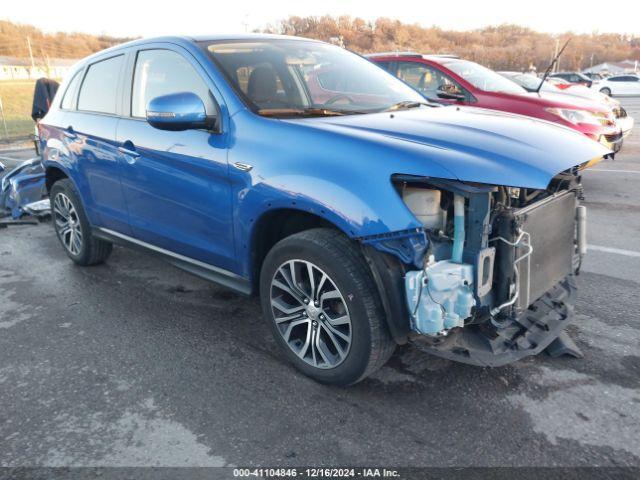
[
  {"x": 451, "y": 93},
  {"x": 177, "y": 112}
]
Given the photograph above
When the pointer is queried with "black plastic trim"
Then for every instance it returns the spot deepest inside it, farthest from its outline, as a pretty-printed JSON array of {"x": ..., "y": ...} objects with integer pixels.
[
  {"x": 388, "y": 274},
  {"x": 204, "y": 270}
]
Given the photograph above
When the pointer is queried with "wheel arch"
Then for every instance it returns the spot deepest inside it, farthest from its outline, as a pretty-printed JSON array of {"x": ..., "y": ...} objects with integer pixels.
[
  {"x": 276, "y": 224},
  {"x": 53, "y": 173}
]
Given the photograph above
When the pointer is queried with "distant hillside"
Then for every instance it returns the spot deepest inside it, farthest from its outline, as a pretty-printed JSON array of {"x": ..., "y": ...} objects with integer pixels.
[
  {"x": 499, "y": 47},
  {"x": 14, "y": 40}
]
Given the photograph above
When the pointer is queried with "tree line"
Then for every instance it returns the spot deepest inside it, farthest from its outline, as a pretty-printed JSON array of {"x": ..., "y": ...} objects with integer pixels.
[
  {"x": 16, "y": 38},
  {"x": 503, "y": 47}
]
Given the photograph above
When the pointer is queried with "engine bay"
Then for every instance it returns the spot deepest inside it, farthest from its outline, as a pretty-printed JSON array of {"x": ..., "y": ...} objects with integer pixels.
[{"x": 492, "y": 251}]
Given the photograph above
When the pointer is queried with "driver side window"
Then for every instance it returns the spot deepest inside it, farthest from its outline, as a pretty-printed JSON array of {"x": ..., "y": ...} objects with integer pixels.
[
  {"x": 426, "y": 79},
  {"x": 163, "y": 72}
]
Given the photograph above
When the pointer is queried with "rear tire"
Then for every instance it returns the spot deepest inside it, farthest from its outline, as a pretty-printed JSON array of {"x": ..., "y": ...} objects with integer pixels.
[
  {"x": 341, "y": 337},
  {"x": 73, "y": 228},
  {"x": 606, "y": 91}
]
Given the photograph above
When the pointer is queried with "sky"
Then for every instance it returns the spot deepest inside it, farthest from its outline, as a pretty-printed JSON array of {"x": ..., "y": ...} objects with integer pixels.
[{"x": 194, "y": 17}]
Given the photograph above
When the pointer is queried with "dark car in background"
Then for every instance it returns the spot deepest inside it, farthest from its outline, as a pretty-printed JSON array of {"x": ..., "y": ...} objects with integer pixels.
[
  {"x": 574, "y": 77},
  {"x": 448, "y": 79},
  {"x": 596, "y": 77}
]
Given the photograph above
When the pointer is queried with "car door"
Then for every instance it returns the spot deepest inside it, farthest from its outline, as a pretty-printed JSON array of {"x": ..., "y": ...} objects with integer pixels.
[
  {"x": 90, "y": 130},
  {"x": 175, "y": 183},
  {"x": 427, "y": 80}
]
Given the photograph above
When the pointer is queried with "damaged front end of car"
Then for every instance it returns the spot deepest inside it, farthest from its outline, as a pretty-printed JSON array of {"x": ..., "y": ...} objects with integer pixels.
[{"x": 490, "y": 278}]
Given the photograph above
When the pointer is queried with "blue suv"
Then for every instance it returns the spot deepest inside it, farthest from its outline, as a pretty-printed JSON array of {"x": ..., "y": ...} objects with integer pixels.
[{"x": 301, "y": 172}]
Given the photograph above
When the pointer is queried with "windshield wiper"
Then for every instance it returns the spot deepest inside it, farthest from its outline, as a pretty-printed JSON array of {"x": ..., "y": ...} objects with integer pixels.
[
  {"x": 406, "y": 104},
  {"x": 304, "y": 112}
]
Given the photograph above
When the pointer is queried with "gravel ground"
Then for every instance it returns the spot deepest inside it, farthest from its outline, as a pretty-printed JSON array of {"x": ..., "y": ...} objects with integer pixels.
[{"x": 135, "y": 363}]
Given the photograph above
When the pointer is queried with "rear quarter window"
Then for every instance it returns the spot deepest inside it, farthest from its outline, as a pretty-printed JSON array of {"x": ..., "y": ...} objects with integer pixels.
[
  {"x": 98, "y": 92},
  {"x": 70, "y": 92}
]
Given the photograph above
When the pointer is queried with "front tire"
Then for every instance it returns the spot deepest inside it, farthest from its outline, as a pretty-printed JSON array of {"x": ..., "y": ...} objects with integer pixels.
[
  {"x": 321, "y": 303},
  {"x": 606, "y": 91},
  {"x": 72, "y": 226}
]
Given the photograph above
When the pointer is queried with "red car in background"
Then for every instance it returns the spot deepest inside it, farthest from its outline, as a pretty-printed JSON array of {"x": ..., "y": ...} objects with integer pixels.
[{"x": 448, "y": 79}]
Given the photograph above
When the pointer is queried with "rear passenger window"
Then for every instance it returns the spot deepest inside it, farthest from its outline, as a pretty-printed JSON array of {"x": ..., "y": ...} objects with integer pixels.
[
  {"x": 163, "y": 72},
  {"x": 98, "y": 91},
  {"x": 70, "y": 92}
]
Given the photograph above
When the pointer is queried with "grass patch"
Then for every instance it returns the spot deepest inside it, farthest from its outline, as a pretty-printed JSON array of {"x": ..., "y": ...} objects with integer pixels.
[{"x": 17, "y": 98}]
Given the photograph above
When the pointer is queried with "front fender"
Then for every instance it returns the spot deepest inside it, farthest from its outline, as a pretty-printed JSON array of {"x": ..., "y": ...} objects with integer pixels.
[
  {"x": 342, "y": 179},
  {"x": 347, "y": 209}
]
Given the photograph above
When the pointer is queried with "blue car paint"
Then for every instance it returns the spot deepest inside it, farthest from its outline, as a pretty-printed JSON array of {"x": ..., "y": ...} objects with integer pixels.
[{"x": 180, "y": 193}]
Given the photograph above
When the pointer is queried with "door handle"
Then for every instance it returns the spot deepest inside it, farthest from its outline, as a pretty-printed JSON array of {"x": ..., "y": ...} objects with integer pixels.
[
  {"x": 130, "y": 155},
  {"x": 126, "y": 151},
  {"x": 69, "y": 133},
  {"x": 245, "y": 167}
]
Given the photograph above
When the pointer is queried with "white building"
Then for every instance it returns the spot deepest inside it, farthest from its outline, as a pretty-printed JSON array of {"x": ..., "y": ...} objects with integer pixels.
[
  {"x": 12, "y": 68},
  {"x": 615, "y": 68}
]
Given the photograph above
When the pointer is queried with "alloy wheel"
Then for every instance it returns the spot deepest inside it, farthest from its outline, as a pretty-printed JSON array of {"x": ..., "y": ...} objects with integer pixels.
[
  {"x": 67, "y": 223},
  {"x": 311, "y": 314}
]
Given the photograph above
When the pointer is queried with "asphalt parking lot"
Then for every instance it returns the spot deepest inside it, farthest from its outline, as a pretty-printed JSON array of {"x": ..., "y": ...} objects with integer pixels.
[{"x": 136, "y": 363}]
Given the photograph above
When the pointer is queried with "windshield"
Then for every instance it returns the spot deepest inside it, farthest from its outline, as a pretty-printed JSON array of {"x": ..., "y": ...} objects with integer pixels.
[
  {"x": 526, "y": 80},
  {"x": 287, "y": 77},
  {"x": 483, "y": 78}
]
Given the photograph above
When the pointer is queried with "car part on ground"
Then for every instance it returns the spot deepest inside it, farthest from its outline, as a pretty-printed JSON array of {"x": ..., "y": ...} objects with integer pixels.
[
  {"x": 23, "y": 185},
  {"x": 363, "y": 218},
  {"x": 40, "y": 209}
]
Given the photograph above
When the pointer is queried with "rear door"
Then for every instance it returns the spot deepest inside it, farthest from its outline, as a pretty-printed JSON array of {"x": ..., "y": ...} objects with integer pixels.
[
  {"x": 90, "y": 130},
  {"x": 175, "y": 183}
]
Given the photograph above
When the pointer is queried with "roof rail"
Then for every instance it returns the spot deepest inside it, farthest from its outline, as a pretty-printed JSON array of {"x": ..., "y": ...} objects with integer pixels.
[
  {"x": 393, "y": 54},
  {"x": 442, "y": 55}
]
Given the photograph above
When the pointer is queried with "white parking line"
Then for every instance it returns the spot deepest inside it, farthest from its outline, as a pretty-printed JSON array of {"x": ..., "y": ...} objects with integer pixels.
[
  {"x": 617, "y": 251},
  {"x": 11, "y": 159},
  {"x": 612, "y": 171},
  {"x": 19, "y": 149}
]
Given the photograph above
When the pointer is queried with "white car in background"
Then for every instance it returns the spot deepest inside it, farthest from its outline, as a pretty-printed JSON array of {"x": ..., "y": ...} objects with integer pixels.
[
  {"x": 619, "y": 85},
  {"x": 559, "y": 86}
]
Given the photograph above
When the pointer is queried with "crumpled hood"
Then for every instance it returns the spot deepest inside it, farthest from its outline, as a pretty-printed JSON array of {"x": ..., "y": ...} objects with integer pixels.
[{"x": 472, "y": 144}]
